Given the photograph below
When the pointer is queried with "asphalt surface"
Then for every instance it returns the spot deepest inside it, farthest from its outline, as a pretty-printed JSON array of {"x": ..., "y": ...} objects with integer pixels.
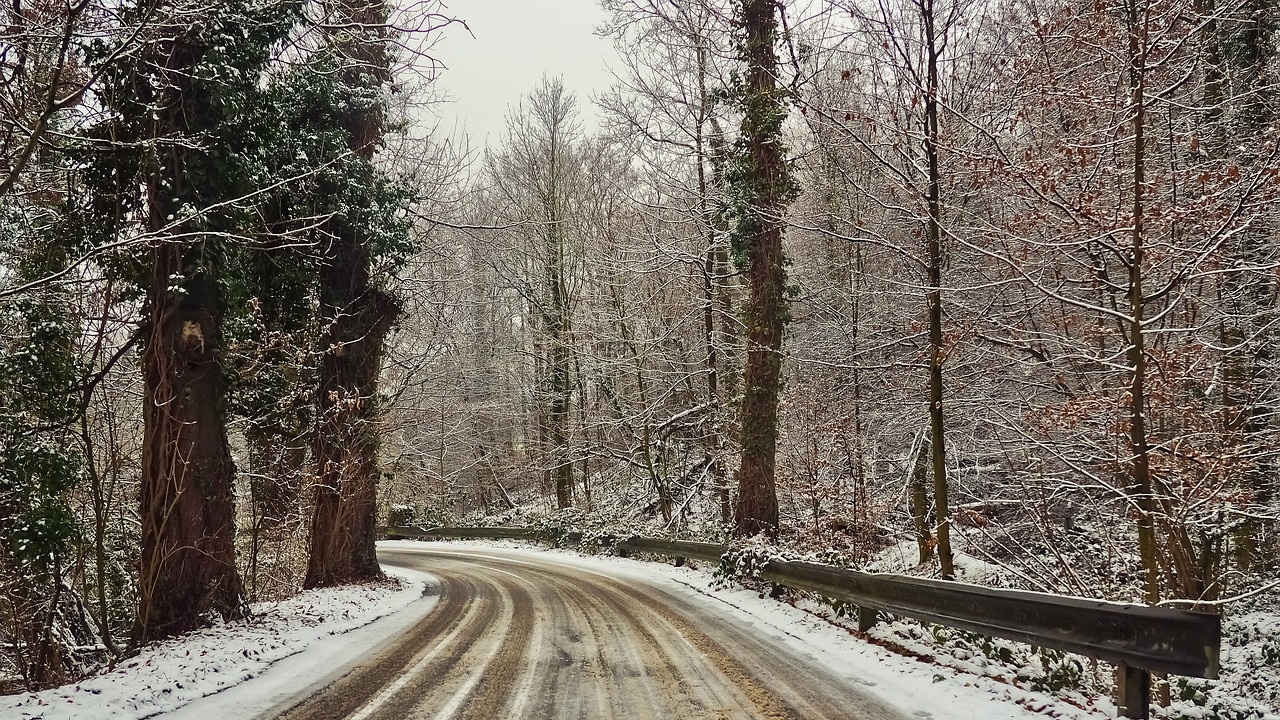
[{"x": 518, "y": 635}]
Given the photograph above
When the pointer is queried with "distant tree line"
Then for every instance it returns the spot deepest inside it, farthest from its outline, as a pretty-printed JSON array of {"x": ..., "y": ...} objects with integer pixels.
[{"x": 989, "y": 282}]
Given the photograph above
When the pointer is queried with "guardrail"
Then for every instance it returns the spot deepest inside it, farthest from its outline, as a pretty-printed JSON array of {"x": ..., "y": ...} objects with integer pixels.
[{"x": 1138, "y": 639}]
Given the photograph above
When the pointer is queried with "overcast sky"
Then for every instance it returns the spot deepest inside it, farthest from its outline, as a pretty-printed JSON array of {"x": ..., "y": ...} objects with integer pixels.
[{"x": 515, "y": 43}]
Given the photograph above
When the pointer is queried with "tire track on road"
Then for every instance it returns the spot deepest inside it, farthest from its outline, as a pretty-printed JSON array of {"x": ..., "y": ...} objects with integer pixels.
[{"x": 518, "y": 636}]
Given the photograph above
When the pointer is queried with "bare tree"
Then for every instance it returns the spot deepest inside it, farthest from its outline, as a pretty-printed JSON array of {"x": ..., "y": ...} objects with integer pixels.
[
  {"x": 533, "y": 172},
  {"x": 674, "y": 56}
]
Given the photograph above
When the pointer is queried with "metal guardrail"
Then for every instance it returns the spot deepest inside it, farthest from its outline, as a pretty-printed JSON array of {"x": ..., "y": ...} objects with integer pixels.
[
  {"x": 710, "y": 552},
  {"x": 474, "y": 533},
  {"x": 1138, "y": 639}
]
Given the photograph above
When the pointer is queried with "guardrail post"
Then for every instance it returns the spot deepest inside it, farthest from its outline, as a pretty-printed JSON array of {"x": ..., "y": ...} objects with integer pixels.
[
  {"x": 1133, "y": 692},
  {"x": 867, "y": 618}
]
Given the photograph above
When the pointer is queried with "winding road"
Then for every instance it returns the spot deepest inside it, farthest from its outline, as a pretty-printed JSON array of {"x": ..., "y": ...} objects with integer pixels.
[{"x": 523, "y": 635}]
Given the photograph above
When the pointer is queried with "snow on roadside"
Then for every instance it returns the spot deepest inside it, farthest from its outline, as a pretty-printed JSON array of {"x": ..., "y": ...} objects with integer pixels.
[
  {"x": 915, "y": 686},
  {"x": 245, "y": 669},
  {"x": 176, "y": 672}
]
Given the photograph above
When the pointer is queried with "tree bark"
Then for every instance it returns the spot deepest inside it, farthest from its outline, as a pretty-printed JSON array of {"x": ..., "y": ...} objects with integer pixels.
[
  {"x": 344, "y": 522},
  {"x": 187, "y": 512},
  {"x": 188, "y": 517},
  {"x": 768, "y": 188}
]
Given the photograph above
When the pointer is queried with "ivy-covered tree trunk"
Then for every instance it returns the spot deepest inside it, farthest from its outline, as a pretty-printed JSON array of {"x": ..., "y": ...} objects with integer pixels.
[
  {"x": 344, "y": 522},
  {"x": 187, "y": 513},
  {"x": 188, "y": 517},
  {"x": 359, "y": 316},
  {"x": 765, "y": 188}
]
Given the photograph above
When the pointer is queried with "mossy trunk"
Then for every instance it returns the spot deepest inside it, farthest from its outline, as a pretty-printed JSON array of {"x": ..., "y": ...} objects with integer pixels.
[
  {"x": 359, "y": 317},
  {"x": 768, "y": 187}
]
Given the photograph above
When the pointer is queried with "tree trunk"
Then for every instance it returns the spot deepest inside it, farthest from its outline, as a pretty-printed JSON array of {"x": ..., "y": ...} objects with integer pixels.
[
  {"x": 558, "y": 327},
  {"x": 343, "y": 526},
  {"x": 937, "y": 428},
  {"x": 561, "y": 396},
  {"x": 714, "y": 443},
  {"x": 188, "y": 518},
  {"x": 918, "y": 499},
  {"x": 714, "y": 295},
  {"x": 768, "y": 188},
  {"x": 1139, "y": 484},
  {"x": 187, "y": 513}
]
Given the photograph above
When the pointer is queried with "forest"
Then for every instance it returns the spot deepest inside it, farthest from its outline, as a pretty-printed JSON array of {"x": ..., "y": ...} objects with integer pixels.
[{"x": 924, "y": 286}]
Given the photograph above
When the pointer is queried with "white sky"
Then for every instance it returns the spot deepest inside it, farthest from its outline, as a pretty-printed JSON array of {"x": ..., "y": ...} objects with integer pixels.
[{"x": 515, "y": 43}]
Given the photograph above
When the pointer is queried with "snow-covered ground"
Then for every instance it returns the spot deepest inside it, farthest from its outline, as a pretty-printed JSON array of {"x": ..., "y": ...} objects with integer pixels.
[
  {"x": 241, "y": 670},
  {"x": 246, "y": 667}
]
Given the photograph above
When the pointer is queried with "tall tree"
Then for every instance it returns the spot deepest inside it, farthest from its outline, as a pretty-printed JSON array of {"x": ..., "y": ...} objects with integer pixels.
[
  {"x": 1139, "y": 482},
  {"x": 194, "y": 129},
  {"x": 911, "y": 70},
  {"x": 933, "y": 45},
  {"x": 762, "y": 185},
  {"x": 534, "y": 173},
  {"x": 358, "y": 313}
]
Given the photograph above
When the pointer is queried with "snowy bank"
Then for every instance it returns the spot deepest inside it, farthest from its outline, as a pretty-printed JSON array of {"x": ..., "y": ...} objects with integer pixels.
[{"x": 170, "y": 675}]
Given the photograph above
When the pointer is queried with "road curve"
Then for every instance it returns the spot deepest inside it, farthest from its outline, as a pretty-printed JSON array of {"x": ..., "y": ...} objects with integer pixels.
[{"x": 519, "y": 635}]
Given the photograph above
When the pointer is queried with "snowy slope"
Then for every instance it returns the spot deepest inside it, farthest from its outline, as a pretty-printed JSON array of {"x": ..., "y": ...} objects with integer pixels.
[{"x": 282, "y": 649}]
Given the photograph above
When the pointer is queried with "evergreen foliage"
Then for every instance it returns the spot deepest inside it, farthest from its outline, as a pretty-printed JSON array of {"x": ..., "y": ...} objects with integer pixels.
[{"x": 40, "y": 462}]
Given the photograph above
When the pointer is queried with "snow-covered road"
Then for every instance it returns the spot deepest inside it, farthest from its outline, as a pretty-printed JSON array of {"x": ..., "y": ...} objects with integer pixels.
[
  {"x": 521, "y": 635},
  {"x": 506, "y": 631}
]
